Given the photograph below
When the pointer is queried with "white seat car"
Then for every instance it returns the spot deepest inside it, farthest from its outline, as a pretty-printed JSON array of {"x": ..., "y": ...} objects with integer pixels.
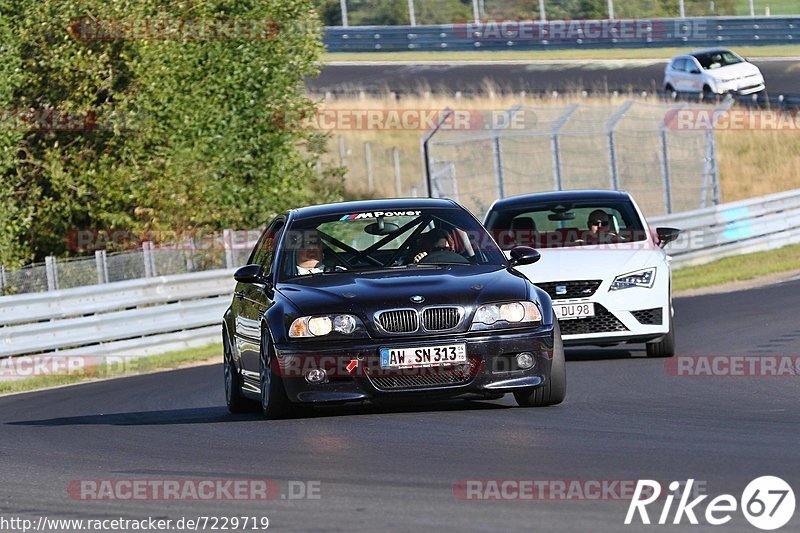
[
  {"x": 606, "y": 272},
  {"x": 712, "y": 71}
]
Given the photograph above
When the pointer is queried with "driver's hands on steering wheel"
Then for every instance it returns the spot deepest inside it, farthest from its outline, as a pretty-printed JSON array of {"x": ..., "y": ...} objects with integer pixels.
[{"x": 420, "y": 256}]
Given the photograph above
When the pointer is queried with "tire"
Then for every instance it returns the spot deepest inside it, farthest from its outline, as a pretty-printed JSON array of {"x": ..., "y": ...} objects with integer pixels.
[
  {"x": 707, "y": 94},
  {"x": 669, "y": 88},
  {"x": 235, "y": 400},
  {"x": 555, "y": 389},
  {"x": 274, "y": 402},
  {"x": 666, "y": 346}
]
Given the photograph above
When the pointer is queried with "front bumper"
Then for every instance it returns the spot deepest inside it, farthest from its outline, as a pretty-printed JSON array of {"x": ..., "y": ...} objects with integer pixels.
[
  {"x": 742, "y": 86},
  {"x": 490, "y": 371},
  {"x": 630, "y": 315}
]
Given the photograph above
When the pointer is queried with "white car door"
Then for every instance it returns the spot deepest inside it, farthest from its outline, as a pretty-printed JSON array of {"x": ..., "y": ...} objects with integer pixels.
[{"x": 694, "y": 75}]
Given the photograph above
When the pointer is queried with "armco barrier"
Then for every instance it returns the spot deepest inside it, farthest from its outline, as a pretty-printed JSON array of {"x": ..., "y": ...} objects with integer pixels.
[
  {"x": 136, "y": 317},
  {"x": 569, "y": 34},
  {"x": 734, "y": 228}
]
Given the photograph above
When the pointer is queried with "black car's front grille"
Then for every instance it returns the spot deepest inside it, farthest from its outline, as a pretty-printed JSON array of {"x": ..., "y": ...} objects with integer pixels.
[
  {"x": 420, "y": 378},
  {"x": 603, "y": 321},
  {"x": 571, "y": 289},
  {"x": 649, "y": 317},
  {"x": 441, "y": 318},
  {"x": 398, "y": 321}
]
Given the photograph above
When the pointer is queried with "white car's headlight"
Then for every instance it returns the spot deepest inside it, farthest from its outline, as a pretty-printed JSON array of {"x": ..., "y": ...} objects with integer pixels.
[
  {"x": 506, "y": 313},
  {"x": 641, "y": 278},
  {"x": 319, "y": 326}
]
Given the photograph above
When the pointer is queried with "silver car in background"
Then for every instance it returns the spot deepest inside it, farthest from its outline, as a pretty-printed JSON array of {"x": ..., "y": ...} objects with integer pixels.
[{"x": 712, "y": 71}]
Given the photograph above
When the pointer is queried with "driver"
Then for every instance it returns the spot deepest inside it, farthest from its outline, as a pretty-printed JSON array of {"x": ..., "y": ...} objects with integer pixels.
[
  {"x": 308, "y": 257},
  {"x": 599, "y": 222},
  {"x": 439, "y": 240}
]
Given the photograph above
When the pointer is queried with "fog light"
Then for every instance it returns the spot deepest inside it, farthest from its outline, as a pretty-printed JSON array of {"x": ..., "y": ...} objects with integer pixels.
[
  {"x": 316, "y": 375},
  {"x": 525, "y": 360}
]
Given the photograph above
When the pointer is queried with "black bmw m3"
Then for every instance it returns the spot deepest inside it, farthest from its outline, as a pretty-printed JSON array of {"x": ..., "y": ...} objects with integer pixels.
[{"x": 387, "y": 300}]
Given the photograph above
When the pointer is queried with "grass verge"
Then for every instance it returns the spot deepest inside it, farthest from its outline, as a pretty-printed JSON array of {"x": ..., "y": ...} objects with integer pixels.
[
  {"x": 139, "y": 365},
  {"x": 789, "y": 50},
  {"x": 738, "y": 268}
]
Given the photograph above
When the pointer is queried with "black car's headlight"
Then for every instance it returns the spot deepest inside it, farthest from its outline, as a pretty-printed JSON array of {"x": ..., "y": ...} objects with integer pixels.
[
  {"x": 506, "y": 314},
  {"x": 641, "y": 278},
  {"x": 319, "y": 326}
]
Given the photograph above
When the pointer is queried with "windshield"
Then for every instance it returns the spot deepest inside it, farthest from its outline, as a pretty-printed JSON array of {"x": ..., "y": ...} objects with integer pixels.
[
  {"x": 347, "y": 242},
  {"x": 566, "y": 224},
  {"x": 717, "y": 59}
]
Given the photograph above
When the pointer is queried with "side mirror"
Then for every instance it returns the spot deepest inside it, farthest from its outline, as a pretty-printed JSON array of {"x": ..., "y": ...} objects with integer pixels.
[
  {"x": 694, "y": 71},
  {"x": 667, "y": 235},
  {"x": 523, "y": 255},
  {"x": 250, "y": 274}
]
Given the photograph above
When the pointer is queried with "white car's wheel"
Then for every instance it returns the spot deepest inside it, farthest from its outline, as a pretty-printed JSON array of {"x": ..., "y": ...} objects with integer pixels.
[{"x": 666, "y": 346}]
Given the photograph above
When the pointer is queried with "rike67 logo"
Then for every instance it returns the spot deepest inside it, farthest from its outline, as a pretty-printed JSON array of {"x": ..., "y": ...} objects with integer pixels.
[{"x": 767, "y": 503}]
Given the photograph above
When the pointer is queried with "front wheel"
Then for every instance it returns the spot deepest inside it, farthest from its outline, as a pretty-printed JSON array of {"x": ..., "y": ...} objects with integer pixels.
[
  {"x": 666, "y": 346},
  {"x": 274, "y": 403},
  {"x": 555, "y": 389}
]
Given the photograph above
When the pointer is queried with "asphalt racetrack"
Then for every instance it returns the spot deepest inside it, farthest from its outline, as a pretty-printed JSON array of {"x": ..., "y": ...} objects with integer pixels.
[
  {"x": 625, "y": 418},
  {"x": 782, "y": 76}
]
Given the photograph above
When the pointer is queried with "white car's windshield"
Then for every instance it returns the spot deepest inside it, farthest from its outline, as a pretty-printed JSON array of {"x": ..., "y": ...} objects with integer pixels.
[
  {"x": 560, "y": 225},
  {"x": 717, "y": 59}
]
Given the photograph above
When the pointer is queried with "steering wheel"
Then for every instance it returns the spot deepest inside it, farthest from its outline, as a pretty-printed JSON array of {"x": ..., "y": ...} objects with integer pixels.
[{"x": 444, "y": 256}]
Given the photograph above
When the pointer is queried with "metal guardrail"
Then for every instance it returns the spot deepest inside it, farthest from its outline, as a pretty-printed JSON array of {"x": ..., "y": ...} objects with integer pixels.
[
  {"x": 559, "y": 35},
  {"x": 124, "y": 318},
  {"x": 734, "y": 228},
  {"x": 155, "y": 315}
]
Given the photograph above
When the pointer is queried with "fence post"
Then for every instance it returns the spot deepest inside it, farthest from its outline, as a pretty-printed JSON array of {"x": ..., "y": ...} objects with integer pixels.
[
  {"x": 342, "y": 152},
  {"x": 542, "y": 14},
  {"x": 2, "y": 280},
  {"x": 343, "y": 5},
  {"x": 612, "y": 148},
  {"x": 497, "y": 154},
  {"x": 555, "y": 146},
  {"x": 227, "y": 243},
  {"x": 368, "y": 164},
  {"x": 665, "y": 169},
  {"x": 51, "y": 269},
  {"x": 710, "y": 171},
  {"x": 398, "y": 182},
  {"x": 147, "y": 256},
  {"x": 411, "y": 15},
  {"x": 712, "y": 141},
  {"x": 425, "y": 151},
  {"x": 100, "y": 266}
]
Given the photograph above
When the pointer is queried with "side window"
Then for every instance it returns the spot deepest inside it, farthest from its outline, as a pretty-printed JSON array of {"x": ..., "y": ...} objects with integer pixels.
[
  {"x": 264, "y": 251},
  {"x": 691, "y": 66},
  {"x": 679, "y": 64}
]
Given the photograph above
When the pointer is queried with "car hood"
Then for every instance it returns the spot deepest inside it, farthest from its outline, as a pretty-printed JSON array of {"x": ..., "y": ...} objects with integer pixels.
[
  {"x": 739, "y": 70},
  {"x": 591, "y": 262},
  {"x": 386, "y": 289}
]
